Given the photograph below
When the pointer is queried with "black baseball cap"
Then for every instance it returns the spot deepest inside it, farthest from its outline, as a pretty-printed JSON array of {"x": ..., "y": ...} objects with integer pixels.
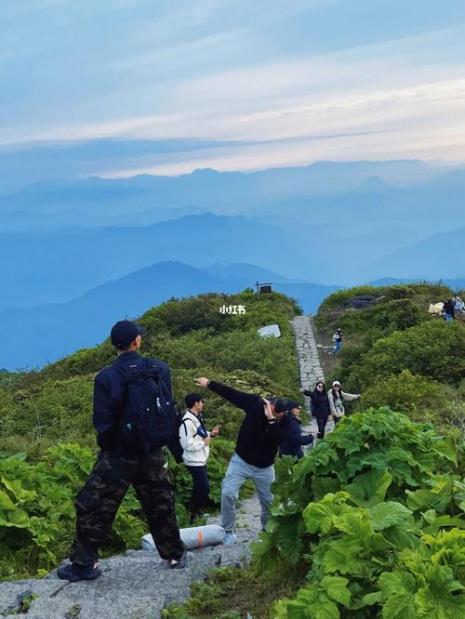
[
  {"x": 280, "y": 405},
  {"x": 124, "y": 332},
  {"x": 293, "y": 404},
  {"x": 192, "y": 398}
]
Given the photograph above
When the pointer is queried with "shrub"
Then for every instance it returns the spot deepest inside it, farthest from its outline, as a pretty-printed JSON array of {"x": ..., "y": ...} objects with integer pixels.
[
  {"x": 434, "y": 349},
  {"x": 375, "y": 499},
  {"x": 421, "y": 398}
]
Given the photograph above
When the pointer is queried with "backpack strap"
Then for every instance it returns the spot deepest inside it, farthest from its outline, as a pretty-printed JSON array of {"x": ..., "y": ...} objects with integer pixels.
[{"x": 183, "y": 422}]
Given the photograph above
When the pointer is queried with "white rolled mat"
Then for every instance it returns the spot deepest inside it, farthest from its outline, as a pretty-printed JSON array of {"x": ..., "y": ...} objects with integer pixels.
[{"x": 193, "y": 537}]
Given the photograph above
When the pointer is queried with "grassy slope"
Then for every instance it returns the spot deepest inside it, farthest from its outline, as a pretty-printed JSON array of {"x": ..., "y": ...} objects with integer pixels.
[
  {"x": 46, "y": 416},
  {"x": 401, "y": 314}
]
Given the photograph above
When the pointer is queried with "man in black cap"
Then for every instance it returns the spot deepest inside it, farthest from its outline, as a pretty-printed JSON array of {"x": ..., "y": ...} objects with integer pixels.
[
  {"x": 263, "y": 429},
  {"x": 133, "y": 417}
]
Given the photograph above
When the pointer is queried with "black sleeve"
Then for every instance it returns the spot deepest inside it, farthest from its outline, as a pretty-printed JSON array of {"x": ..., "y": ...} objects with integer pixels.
[
  {"x": 307, "y": 393},
  {"x": 105, "y": 416},
  {"x": 297, "y": 437},
  {"x": 240, "y": 399},
  {"x": 305, "y": 439}
]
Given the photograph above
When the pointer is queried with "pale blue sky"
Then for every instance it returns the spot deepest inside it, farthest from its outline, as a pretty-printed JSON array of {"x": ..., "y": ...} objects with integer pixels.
[{"x": 241, "y": 84}]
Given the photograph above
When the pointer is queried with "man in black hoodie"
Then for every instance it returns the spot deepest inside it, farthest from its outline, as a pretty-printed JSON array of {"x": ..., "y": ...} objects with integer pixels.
[{"x": 263, "y": 429}]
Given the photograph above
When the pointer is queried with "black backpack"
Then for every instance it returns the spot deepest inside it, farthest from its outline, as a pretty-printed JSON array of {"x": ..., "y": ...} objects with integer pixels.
[{"x": 149, "y": 417}]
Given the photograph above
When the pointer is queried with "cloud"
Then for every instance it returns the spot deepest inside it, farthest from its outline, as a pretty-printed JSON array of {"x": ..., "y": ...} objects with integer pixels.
[{"x": 211, "y": 71}]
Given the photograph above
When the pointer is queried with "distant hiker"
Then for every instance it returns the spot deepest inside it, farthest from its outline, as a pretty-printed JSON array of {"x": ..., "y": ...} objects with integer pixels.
[
  {"x": 337, "y": 341},
  {"x": 262, "y": 431},
  {"x": 449, "y": 310},
  {"x": 133, "y": 417},
  {"x": 292, "y": 444},
  {"x": 336, "y": 399},
  {"x": 195, "y": 439},
  {"x": 459, "y": 307},
  {"x": 319, "y": 404}
]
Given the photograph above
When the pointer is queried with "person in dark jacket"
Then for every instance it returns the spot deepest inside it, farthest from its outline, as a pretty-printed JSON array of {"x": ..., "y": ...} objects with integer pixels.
[
  {"x": 292, "y": 444},
  {"x": 264, "y": 428},
  {"x": 119, "y": 465},
  {"x": 449, "y": 310},
  {"x": 320, "y": 406}
]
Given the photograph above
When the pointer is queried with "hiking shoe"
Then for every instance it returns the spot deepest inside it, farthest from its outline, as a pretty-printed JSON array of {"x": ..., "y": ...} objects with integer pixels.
[
  {"x": 177, "y": 564},
  {"x": 229, "y": 538},
  {"x": 74, "y": 572}
]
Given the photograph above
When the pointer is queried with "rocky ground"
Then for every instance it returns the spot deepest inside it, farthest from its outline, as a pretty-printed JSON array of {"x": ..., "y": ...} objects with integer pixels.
[{"x": 136, "y": 585}]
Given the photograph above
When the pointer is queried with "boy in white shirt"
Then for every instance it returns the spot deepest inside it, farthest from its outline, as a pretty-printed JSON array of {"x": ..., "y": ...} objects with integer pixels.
[{"x": 195, "y": 440}]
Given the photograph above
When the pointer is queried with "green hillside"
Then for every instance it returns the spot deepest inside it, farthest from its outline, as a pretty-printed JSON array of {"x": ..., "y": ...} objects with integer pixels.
[
  {"x": 399, "y": 355},
  {"x": 47, "y": 442},
  {"x": 371, "y": 522}
]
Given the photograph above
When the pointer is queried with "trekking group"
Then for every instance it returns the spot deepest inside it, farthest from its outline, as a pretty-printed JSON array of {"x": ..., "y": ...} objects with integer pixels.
[{"x": 133, "y": 414}]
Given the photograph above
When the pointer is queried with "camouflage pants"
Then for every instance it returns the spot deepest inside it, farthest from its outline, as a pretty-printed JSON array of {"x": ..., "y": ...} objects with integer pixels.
[{"x": 101, "y": 496}]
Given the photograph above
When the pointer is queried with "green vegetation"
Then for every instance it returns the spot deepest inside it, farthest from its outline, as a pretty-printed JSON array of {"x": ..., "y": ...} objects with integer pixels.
[
  {"x": 370, "y": 523},
  {"x": 47, "y": 443},
  {"x": 397, "y": 354}
]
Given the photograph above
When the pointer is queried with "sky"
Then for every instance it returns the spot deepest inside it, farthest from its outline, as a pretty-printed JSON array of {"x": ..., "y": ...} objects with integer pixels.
[{"x": 116, "y": 88}]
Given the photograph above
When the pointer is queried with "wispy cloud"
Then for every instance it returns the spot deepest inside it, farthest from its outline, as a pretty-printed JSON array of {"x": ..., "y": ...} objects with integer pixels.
[{"x": 211, "y": 70}]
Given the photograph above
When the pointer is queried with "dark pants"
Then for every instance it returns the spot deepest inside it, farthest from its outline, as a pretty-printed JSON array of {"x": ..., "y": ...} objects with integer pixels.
[
  {"x": 101, "y": 496},
  {"x": 200, "y": 490},
  {"x": 321, "y": 422}
]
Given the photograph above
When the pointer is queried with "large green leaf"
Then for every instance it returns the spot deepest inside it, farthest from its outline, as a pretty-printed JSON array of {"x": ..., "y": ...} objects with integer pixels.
[
  {"x": 370, "y": 488},
  {"x": 5, "y": 502},
  {"x": 385, "y": 515}
]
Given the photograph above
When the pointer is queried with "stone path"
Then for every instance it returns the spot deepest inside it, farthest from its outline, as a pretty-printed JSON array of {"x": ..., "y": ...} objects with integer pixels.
[
  {"x": 309, "y": 362},
  {"x": 136, "y": 585},
  {"x": 307, "y": 352}
]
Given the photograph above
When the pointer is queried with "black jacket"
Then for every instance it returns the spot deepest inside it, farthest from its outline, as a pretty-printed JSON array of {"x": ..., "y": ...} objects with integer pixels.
[
  {"x": 292, "y": 444},
  {"x": 109, "y": 393},
  {"x": 320, "y": 403},
  {"x": 258, "y": 439}
]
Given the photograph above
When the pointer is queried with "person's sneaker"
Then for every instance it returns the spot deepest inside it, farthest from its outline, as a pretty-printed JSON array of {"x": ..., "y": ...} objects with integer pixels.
[
  {"x": 177, "y": 564},
  {"x": 229, "y": 538},
  {"x": 74, "y": 572}
]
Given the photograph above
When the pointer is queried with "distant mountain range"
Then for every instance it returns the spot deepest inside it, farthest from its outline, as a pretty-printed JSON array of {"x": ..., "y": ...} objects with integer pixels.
[
  {"x": 147, "y": 199},
  {"x": 51, "y": 331},
  {"x": 68, "y": 246},
  {"x": 56, "y": 266},
  {"x": 342, "y": 222}
]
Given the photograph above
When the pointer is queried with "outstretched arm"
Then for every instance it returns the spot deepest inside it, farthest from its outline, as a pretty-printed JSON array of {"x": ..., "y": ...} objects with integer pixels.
[
  {"x": 350, "y": 396},
  {"x": 238, "y": 398}
]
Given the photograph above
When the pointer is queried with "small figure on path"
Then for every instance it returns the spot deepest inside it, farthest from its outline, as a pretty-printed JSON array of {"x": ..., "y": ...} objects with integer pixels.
[{"x": 337, "y": 341}]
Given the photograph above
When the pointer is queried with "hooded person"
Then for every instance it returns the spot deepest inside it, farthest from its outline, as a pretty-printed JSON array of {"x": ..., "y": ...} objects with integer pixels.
[
  {"x": 336, "y": 399},
  {"x": 295, "y": 440}
]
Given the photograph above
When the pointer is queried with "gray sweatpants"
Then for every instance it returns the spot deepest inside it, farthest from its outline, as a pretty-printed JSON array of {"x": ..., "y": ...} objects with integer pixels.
[{"x": 237, "y": 474}]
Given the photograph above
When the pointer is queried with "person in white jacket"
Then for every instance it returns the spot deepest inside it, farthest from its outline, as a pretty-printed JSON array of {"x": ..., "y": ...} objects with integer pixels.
[
  {"x": 195, "y": 440},
  {"x": 336, "y": 399}
]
